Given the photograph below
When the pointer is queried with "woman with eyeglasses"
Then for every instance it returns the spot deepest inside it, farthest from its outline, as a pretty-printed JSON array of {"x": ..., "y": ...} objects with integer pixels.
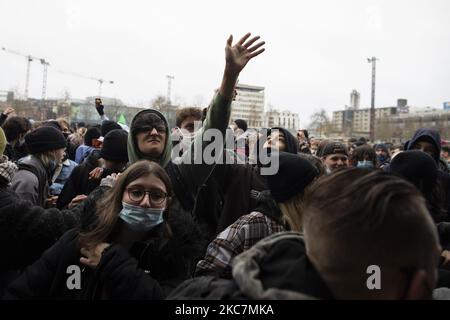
[{"x": 135, "y": 250}]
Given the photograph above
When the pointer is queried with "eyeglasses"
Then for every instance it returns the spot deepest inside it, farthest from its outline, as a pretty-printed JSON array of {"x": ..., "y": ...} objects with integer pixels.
[
  {"x": 160, "y": 129},
  {"x": 137, "y": 195}
]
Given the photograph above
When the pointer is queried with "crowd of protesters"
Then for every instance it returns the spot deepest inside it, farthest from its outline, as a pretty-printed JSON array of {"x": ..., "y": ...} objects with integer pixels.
[{"x": 134, "y": 210}]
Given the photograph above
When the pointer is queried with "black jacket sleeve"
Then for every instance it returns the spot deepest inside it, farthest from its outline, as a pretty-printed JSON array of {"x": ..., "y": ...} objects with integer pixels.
[
  {"x": 26, "y": 231},
  {"x": 122, "y": 279},
  {"x": 444, "y": 234},
  {"x": 70, "y": 189},
  {"x": 37, "y": 280},
  {"x": 3, "y": 119}
]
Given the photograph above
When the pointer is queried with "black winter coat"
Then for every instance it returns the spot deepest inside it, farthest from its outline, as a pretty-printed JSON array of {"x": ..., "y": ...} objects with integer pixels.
[
  {"x": 150, "y": 270},
  {"x": 26, "y": 231},
  {"x": 79, "y": 182}
]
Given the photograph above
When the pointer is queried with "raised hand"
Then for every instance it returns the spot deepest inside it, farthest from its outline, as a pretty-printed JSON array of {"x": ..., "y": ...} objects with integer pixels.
[
  {"x": 237, "y": 56},
  {"x": 8, "y": 111}
]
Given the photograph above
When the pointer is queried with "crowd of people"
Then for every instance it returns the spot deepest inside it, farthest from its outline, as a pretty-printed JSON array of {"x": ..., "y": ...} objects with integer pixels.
[{"x": 141, "y": 218}]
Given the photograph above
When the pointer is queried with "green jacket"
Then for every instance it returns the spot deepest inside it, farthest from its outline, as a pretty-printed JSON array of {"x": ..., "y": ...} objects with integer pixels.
[{"x": 187, "y": 177}]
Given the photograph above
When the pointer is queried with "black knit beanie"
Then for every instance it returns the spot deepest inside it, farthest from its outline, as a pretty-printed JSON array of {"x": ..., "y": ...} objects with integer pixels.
[
  {"x": 109, "y": 125},
  {"x": 114, "y": 147},
  {"x": 44, "y": 139},
  {"x": 417, "y": 167},
  {"x": 294, "y": 175}
]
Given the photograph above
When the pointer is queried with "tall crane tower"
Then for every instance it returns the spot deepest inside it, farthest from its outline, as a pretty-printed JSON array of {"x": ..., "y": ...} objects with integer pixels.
[
  {"x": 99, "y": 80},
  {"x": 29, "y": 58}
]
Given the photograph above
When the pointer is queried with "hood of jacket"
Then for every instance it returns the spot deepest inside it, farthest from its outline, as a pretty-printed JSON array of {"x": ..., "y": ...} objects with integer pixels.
[
  {"x": 135, "y": 155},
  {"x": 429, "y": 135},
  {"x": 383, "y": 147},
  {"x": 277, "y": 268},
  {"x": 291, "y": 142}
]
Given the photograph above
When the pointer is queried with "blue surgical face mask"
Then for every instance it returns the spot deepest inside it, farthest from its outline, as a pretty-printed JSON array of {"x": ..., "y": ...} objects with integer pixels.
[
  {"x": 365, "y": 164},
  {"x": 139, "y": 218}
]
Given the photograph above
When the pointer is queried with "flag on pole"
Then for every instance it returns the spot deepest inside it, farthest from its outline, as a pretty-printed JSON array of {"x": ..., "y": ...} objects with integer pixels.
[{"x": 122, "y": 120}]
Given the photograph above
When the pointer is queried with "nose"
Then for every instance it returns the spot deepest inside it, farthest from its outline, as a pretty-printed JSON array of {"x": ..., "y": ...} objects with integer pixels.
[
  {"x": 340, "y": 163},
  {"x": 145, "y": 202},
  {"x": 153, "y": 132}
]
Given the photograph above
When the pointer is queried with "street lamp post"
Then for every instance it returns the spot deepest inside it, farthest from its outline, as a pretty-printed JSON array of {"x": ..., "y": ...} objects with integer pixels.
[{"x": 372, "y": 60}]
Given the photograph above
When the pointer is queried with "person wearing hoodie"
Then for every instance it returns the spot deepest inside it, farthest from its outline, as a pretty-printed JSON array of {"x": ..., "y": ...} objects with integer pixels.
[
  {"x": 136, "y": 249},
  {"x": 429, "y": 141},
  {"x": 421, "y": 170},
  {"x": 350, "y": 218},
  {"x": 112, "y": 158},
  {"x": 383, "y": 155},
  {"x": 279, "y": 209},
  {"x": 150, "y": 139}
]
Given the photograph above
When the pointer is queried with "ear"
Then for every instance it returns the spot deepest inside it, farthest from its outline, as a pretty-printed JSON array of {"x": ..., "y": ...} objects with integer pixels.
[{"x": 419, "y": 287}]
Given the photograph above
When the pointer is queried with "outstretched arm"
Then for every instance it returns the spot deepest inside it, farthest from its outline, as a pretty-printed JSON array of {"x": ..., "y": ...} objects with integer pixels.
[{"x": 236, "y": 58}]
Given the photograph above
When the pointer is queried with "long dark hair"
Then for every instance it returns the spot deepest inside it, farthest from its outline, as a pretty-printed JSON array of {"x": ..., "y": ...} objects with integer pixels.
[{"x": 109, "y": 207}]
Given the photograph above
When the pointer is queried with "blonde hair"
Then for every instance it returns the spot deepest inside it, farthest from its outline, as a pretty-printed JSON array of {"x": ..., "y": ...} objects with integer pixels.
[
  {"x": 63, "y": 121},
  {"x": 46, "y": 157},
  {"x": 292, "y": 211}
]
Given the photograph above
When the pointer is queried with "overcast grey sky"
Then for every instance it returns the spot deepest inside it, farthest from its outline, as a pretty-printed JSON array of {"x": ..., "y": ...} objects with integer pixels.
[{"x": 315, "y": 53}]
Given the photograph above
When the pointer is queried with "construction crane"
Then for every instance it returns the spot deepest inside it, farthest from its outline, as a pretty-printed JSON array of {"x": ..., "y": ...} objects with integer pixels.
[
  {"x": 29, "y": 59},
  {"x": 99, "y": 80}
]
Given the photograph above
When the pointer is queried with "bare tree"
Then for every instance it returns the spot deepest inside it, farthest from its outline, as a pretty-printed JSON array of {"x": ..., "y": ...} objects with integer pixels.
[
  {"x": 159, "y": 103},
  {"x": 113, "y": 110},
  {"x": 320, "y": 123}
]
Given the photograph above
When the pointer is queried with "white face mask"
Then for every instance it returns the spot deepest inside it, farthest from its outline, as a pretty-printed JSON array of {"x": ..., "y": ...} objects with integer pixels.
[
  {"x": 139, "y": 218},
  {"x": 186, "y": 139}
]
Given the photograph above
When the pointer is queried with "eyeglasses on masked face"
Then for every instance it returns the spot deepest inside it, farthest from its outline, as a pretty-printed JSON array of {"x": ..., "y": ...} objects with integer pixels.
[{"x": 137, "y": 195}]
